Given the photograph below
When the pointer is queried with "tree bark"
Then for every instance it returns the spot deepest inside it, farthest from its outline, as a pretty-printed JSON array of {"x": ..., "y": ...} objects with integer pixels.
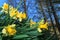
[
  {"x": 41, "y": 7},
  {"x": 47, "y": 4},
  {"x": 55, "y": 15},
  {"x": 25, "y": 6}
]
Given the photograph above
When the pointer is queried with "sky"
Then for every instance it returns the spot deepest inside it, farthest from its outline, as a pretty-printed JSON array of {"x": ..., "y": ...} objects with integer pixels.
[
  {"x": 32, "y": 9},
  {"x": 2, "y": 2}
]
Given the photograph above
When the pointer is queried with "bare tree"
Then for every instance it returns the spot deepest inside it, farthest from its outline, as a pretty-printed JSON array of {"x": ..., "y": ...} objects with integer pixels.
[
  {"x": 49, "y": 12},
  {"x": 25, "y": 6},
  {"x": 55, "y": 15},
  {"x": 42, "y": 10}
]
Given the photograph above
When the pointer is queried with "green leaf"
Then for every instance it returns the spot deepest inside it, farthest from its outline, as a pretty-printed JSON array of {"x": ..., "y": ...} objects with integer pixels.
[
  {"x": 34, "y": 33},
  {"x": 0, "y": 38},
  {"x": 20, "y": 36},
  {"x": 29, "y": 29}
]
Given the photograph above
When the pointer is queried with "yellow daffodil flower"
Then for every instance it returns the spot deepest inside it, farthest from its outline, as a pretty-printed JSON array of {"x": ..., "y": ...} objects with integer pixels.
[
  {"x": 32, "y": 22},
  {"x": 9, "y": 30},
  {"x": 13, "y": 25},
  {"x": 44, "y": 26},
  {"x": 20, "y": 19},
  {"x": 4, "y": 32},
  {"x": 24, "y": 16},
  {"x": 5, "y": 6},
  {"x": 19, "y": 15},
  {"x": 12, "y": 9},
  {"x": 13, "y": 14},
  {"x": 39, "y": 30}
]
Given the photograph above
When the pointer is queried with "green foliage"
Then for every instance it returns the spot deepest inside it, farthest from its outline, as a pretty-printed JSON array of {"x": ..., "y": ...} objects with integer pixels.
[{"x": 24, "y": 31}]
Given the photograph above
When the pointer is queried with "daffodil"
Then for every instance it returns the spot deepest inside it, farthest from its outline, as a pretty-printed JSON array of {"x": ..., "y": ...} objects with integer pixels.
[
  {"x": 13, "y": 14},
  {"x": 5, "y": 6},
  {"x": 20, "y": 19},
  {"x": 32, "y": 22},
  {"x": 4, "y": 32},
  {"x": 39, "y": 30},
  {"x": 24, "y": 16},
  {"x": 9, "y": 30},
  {"x": 13, "y": 25},
  {"x": 12, "y": 9},
  {"x": 43, "y": 26},
  {"x": 19, "y": 15}
]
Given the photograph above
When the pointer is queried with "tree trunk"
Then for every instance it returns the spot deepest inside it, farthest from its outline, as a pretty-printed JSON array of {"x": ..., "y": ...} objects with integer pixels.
[
  {"x": 47, "y": 4},
  {"x": 41, "y": 7},
  {"x": 25, "y": 6},
  {"x": 55, "y": 15}
]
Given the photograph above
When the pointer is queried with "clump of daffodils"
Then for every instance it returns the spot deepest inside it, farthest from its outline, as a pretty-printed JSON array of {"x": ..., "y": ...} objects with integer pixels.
[
  {"x": 13, "y": 12},
  {"x": 9, "y": 30},
  {"x": 42, "y": 25}
]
